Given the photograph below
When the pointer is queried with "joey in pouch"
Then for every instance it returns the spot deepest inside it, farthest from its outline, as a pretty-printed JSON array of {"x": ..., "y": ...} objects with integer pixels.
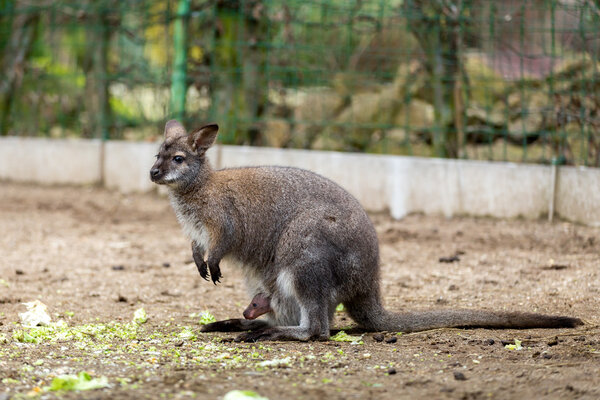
[{"x": 259, "y": 305}]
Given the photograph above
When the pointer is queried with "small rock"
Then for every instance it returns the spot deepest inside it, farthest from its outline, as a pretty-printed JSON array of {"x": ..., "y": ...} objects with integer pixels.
[
  {"x": 452, "y": 287},
  {"x": 378, "y": 337},
  {"x": 392, "y": 339},
  {"x": 450, "y": 259},
  {"x": 19, "y": 272},
  {"x": 391, "y": 371},
  {"x": 118, "y": 267},
  {"x": 122, "y": 299},
  {"x": 459, "y": 376},
  {"x": 178, "y": 344},
  {"x": 490, "y": 342},
  {"x": 166, "y": 264},
  {"x": 546, "y": 356},
  {"x": 553, "y": 342}
]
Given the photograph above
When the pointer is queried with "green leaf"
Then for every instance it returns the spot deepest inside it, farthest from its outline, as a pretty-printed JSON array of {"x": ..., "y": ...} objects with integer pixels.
[
  {"x": 243, "y": 395},
  {"x": 140, "y": 316},
  {"x": 342, "y": 336},
  {"x": 516, "y": 346},
  {"x": 81, "y": 381},
  {"x": 206, "y": 318}
]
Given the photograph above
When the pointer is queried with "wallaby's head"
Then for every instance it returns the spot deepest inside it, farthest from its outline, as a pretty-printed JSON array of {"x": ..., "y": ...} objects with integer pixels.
[{"x": 181, "y": 158}]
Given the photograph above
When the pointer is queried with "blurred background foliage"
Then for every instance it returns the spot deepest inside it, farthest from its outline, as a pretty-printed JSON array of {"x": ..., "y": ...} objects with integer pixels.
[{"x": 514, "y": 80}]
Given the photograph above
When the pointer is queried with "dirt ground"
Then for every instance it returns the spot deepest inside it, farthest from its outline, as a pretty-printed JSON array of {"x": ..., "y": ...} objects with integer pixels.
[{"x": 95, "y": 256}]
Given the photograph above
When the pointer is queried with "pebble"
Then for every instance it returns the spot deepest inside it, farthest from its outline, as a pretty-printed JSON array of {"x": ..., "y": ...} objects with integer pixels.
[
  {"x": 378, "y": 337},
  {"x": 459, "y": 376}
]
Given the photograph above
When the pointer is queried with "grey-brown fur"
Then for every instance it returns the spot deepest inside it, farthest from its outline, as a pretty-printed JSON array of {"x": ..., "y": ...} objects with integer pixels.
[{"x": 301, "y": 239}]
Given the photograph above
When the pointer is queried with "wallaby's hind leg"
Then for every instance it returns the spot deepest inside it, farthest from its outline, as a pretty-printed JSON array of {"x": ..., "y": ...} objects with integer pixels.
[
  {"x": 312, "y": 326},
  {"x": 311, "y": 297},
  {"x": 235, "y": 325},
  {"x": 366, "y": 310}
]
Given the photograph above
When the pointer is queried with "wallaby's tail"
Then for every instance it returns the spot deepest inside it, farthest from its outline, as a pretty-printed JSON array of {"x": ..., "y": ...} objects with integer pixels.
[{"x": 373, "y": 316}]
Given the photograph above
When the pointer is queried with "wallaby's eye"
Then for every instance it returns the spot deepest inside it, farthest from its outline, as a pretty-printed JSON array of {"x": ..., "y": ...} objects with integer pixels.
[
  {"x": 254, "y": 305},
  {"x": 178, "y": 159}
]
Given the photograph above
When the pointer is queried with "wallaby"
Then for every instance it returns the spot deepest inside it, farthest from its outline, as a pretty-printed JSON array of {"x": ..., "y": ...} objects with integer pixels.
[
  {"x": 301, "y": 240},
  {"x": 259, "y": 305}
]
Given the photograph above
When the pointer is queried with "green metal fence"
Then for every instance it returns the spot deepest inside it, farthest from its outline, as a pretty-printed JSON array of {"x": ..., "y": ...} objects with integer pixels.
[{"x": 478, "y": 79}]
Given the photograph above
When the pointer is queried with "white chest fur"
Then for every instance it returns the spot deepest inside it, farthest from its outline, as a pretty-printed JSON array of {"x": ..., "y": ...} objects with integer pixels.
[{"x": 190, "y": 222}]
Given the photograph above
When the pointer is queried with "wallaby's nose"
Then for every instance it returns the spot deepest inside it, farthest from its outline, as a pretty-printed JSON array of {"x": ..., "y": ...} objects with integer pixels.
[{"x": 154, "y": 172}]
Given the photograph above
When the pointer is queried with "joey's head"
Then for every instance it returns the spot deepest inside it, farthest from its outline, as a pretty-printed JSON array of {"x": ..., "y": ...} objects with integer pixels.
[{"x": 181, "y": 159}]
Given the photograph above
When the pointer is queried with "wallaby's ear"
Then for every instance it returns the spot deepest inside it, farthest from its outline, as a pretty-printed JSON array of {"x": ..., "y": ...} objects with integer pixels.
[
  {"x": 202, "y": 138},
  {"x": 173, "y": 130}
]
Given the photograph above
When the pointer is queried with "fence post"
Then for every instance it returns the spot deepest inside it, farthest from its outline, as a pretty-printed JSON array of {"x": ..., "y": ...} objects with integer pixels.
[
  {"x": 556, "y": 161},
  {"x": 179, "y": 76}
]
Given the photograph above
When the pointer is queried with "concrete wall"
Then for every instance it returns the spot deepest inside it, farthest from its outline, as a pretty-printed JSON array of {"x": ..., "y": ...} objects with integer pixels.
[
  {"x": 127, "y": 164},
  {"x": 50, "y": 161},
  {"x": 578, "y": 194},
  {"x": 460, "y": 187},
  {"x": 400, "y": 185}
]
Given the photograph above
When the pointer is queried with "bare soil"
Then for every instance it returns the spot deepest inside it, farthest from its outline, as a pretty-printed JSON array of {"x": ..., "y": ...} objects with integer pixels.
[{"x": 95, "y": 256}]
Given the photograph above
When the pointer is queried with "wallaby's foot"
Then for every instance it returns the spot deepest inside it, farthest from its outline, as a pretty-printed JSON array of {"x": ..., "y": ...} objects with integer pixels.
[
  {"x": 276, "y": 333},
  {"x": 234, "y": 325}
]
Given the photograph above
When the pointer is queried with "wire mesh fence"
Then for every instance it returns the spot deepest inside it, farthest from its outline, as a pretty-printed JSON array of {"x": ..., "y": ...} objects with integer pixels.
[{"x": 477, "y": 79}]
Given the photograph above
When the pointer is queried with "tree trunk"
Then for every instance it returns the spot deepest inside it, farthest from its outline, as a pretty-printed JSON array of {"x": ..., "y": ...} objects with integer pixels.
[
  {"x": 240, "y": 93},
  {"x": 437, "y": 27},
  {"x": 97, "y": 107},
  {"x": 14, "y": 62}
]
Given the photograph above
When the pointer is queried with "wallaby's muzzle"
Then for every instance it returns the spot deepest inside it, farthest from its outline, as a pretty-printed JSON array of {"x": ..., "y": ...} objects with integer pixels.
[{"x": 154, "y": 173}]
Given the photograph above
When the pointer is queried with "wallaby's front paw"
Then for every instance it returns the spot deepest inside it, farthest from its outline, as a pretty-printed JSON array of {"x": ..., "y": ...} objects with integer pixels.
[
  {"x": 215, "y": 272},
  {"x": 200, "y": 263},
  {"x": 203, "y": 269}
]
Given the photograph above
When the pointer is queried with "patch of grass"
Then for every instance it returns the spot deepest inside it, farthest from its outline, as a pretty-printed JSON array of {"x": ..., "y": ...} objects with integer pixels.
[
  {"x": 206, "y": 318},
  {"x": 342, "y": 336},
  {"x": 81, "y": 381},
  {"x": 60, "y": 331}
]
